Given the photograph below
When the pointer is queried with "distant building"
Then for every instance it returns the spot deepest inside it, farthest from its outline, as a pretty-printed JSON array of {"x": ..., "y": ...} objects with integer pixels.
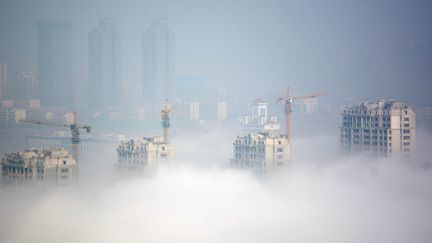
[
  {"x": 222, "y": 110},
  {"x": 310, "y": 105},
  {"x": 10, "y": 116},
  {"x": 258, "y": 120},
  {"x": 158, "y": 63},
  {"x": 23, "y": 86},
  {"x": 383, "y": 127},
  {"x": 54, "y": 165},
  {"x": 55, "y": 74},
  {"x": 3, "y": 80},
  {"x": 143, "y": 155},
  {"x": 263, "y": 153},
  {"x": 104, "y": 65}
]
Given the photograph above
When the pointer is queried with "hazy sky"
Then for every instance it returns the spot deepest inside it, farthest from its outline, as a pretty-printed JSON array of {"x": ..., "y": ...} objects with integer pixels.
[{"x": 268, "y": 44}]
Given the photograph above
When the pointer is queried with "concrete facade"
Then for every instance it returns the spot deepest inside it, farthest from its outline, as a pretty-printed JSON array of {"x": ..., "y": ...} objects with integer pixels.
[
  {"x": 263, "y": 153},
  {"x": 137, "y": 156},
  {"x": 53, "y": 165},
  {"x": 384, "y": 128}
]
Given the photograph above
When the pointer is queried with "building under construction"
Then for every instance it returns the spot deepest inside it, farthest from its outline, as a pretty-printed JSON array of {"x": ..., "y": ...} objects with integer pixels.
[
  {"x": 264, "y": 150},
  {"x": 263, "y": 153},
  {"x": 51, "y": 165},
  {"x": 139, "y": 156},
  {"x": 384, "y": 128}
]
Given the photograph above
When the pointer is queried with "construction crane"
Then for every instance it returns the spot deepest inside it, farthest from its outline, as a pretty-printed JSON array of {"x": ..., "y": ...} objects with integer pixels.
[
  {"x": 288, "y": 100},
  {"x": 75, "y": 131},
  {"x": 165, "y": 119}
]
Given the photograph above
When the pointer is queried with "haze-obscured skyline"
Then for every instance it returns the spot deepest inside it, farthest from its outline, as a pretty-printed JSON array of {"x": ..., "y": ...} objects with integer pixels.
[{"x": 359, "y": 47}]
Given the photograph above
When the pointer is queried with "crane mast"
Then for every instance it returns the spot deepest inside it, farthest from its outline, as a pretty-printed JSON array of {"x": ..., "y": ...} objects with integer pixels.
[
  {"x": 288, "y": 100},
  {"x": 166, "y": 119}
]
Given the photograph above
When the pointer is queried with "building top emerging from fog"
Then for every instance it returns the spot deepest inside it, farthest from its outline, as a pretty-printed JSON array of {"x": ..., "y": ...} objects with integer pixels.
[
  {"x": 138, "y": 155},
  {"x": 263, "y": 153},
  {"x": 385, "y": 127},
  {"x": 54, "y": 164},
  {"x": 258, "y": 119}
]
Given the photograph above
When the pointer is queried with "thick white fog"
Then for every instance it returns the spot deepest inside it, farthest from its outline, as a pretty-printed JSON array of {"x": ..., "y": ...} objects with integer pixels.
[{"x": 332, "y": 199}]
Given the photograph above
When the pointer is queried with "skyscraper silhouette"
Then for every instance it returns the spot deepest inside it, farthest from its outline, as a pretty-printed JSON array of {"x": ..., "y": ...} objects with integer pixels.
[
  {"x": 104, "y": 65},
  {"x": 158, "y": 62},
  {"x": 55, "y": 74}
]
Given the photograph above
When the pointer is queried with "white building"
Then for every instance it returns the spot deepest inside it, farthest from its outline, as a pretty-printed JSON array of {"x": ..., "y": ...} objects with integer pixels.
[
  {"x": 263, "y": 153},
  {"x": 138, "y": 156},
  {"x": 258, "y": 119},
  {"x": 383, "y": 127}
]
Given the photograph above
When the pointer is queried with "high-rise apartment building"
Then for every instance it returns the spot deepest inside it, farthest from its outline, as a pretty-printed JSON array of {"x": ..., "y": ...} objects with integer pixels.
[
  {"x": 55, "y": 74},
  {"x": 104, "y": 65},
  {"x": 53, "y": 165},
  {"x": 383, "y": 127},
  {"x": 262, "y": 153},
  {"x": 158, "y": 63},
  {"x": 138, "y": 156}
]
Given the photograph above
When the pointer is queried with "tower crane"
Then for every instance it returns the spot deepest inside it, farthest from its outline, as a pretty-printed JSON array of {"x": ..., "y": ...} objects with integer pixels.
[
  {"x": 165, "y": 119},
  {"x": 75, "y": 131},
  {"x": 288, "y": 100}
]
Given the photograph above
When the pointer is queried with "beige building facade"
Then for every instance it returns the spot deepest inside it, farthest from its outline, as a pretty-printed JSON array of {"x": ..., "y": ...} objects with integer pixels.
[
  {"x": 52, "y": 165},
  {"x": 263, "y": 153},
  {"x": 137, "y": 156},
  {"x": 384, "y": 128}
]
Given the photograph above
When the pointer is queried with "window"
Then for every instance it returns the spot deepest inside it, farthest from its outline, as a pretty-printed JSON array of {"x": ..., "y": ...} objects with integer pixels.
[
  {"x": 406, "y": 143},
  {"x": 406, "y": 125},
  {"x": 406, "y": 131},
  {"x": 279, "y": 149},
  {"x": 406, "y": 137},
  {"x": 65, "y": 170}
]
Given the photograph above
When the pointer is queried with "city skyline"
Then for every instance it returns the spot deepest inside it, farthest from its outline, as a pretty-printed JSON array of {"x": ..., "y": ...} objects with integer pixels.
[
  {"x": 215, "y": 121},
  {"x": 352, "y": 54}
]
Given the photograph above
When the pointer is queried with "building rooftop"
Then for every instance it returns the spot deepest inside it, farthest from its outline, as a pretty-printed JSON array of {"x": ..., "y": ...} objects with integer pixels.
[{"x": 380, "y": 104}]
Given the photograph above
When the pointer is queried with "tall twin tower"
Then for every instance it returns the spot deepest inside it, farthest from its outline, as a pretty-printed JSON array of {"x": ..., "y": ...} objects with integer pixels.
[{"x": 55, "y": 66}]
